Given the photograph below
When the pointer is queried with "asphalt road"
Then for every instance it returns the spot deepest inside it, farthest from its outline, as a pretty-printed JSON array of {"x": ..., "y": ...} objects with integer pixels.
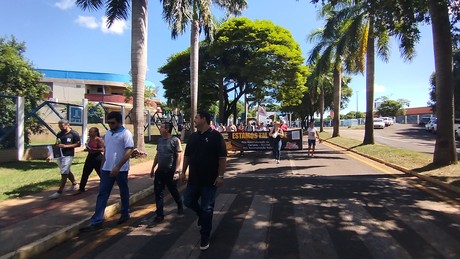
[
  {"x": 405, "y": 136},
  {"x": 335, "y": 205}
]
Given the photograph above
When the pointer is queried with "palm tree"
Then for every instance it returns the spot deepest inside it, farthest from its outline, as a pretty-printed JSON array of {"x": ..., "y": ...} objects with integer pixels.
[
  {"x": 118, "y": 10},
  {"x": 444, "y": 151},
  {"x": 179, "y": 13}
]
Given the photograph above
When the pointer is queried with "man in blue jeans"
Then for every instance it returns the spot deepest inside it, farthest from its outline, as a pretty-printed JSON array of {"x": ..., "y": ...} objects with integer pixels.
[
  {"x": 119, "y": 145},
  {"x": 206, "y": 155}
]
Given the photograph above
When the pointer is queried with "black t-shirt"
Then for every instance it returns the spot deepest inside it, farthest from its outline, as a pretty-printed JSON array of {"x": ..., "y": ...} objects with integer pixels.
[
  {"x": 67, "y": 138},
  {"x": 203, "y": 152}
]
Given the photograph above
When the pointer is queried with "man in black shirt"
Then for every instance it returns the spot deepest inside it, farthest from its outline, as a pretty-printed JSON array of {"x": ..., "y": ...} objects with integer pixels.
[
  {"x": 206, "y": 154},
  {"x": 66, "y": 142}
]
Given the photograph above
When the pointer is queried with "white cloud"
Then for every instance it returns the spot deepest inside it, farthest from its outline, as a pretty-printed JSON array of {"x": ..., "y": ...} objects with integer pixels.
[
  {"x": 65, "y": 4},
  {"x": 379, "y": 88},
  {"x": 87, "y": 21},
  {"x": 118, "y": 26}
]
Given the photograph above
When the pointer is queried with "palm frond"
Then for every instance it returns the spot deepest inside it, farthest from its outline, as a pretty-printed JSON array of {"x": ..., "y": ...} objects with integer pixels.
[
  {"x": 117, "y": 10},
  {"x": 92, "y": 5}
]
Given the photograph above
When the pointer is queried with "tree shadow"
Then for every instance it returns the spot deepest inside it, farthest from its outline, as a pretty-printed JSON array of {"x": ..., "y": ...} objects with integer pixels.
[
  {"x": 28, "y": 165},
  {"x": 31, "y": 188}
]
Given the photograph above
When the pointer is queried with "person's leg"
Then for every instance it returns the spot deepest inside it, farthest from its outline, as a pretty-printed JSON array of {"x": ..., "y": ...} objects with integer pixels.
[
  {"x": 63, "y": 182},
  {"x": 278, "y": 150},
  {"x": 87, "y": 168},
  {"x": 172, "y": 187},
  {"x": 313, "y": 149},
  {"x": 105, "y": 187},
  {"x": 208, "y": 195},
  {"x": 191, "y": 196},
  {"x": 158, "y": 189},
  {"x": 122, "y": 181}
]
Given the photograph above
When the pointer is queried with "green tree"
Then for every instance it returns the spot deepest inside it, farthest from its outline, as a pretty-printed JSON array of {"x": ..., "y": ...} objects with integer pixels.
[
  {"x": 18, "y": 78},
  {"x": 198, "y": 13},
  {"x": 389, "y": 108},
  {"x": 118, "y": 10},
  {"x": 128, "y": 92}
]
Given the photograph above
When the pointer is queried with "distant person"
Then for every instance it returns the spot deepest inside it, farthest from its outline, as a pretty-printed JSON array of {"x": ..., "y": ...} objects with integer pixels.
[
  {"x": 94, "y": 147},
  {"x": 312, "y": 135},
  {"x": 231, "y": 127},
  {"x": 119, "y": 145},
  {"x": 221, "y": 128},
  {"x": 66, "y": 142},
  {"x": 276, "y": 133},
  {"x": 240, "y": 127},
  {"x": 206, "y": 155},
  {"x": 261, "y": 127},
  {"x": 169, "y": 161}
]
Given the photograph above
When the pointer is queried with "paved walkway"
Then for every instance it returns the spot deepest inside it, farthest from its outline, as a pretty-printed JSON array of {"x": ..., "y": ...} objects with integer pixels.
[{"x": 33, "y": 223}]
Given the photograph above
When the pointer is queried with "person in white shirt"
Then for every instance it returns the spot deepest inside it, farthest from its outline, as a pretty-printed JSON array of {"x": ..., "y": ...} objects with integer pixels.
[
  {"x": 118, "y": 145},
  {"x": 312, "y": 135}
]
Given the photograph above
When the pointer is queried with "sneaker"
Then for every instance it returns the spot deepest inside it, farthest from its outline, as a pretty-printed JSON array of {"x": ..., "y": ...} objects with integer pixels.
[
  {"x": 277, "y": 161},
  {"x": 73, "y": 187},
  {"x": 123, "y": 219},
  {"x": 204, "y": 244},
  {"x": 180, "y": 209},
  {"x": 158, "y": 218},
  {"x": 55, "y": 196},
  {"x": 91, "y": 228}
]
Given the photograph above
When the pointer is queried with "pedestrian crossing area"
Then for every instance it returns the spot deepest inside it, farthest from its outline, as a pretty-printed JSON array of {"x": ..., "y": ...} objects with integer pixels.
[{"x": 266, "y": 226}]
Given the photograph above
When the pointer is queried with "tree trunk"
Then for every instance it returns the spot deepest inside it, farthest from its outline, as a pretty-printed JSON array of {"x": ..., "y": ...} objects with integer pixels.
[
  {"x": 321, "y": 109},
  {"x": 337, "y": 96},
  {"x": 139, "y": 67},
  {"x": 222, "y": 102},
  {"x": 370, "y": 71},
  {"x": 194, "y": 56},
  {"x": 444, "y": 150}
]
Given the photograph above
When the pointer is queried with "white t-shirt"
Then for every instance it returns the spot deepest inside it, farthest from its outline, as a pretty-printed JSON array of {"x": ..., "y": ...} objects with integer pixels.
[
  {"x": 312, "y": 133},
  {"x": 115, "y": 145}
]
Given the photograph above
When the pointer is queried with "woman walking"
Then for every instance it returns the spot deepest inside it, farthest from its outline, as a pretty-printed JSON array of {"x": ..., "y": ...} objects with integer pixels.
[
  {"x": 276, "y": 133},
  {"x": 95, "y": 147}
]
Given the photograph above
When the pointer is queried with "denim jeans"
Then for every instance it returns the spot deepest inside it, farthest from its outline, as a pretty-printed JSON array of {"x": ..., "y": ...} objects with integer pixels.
[
  {"x": 105, "y": 187},
  {"x": 277, "y": 148},
  {"x": 201, "y": 200},
  {"x": 163, "y": 178}
]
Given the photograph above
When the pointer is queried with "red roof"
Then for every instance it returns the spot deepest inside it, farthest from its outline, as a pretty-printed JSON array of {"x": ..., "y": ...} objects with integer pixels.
[{"x": 419, "y": 110}]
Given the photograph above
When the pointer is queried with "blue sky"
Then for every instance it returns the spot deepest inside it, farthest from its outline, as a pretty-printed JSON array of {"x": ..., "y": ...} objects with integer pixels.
[{"x": 59, "y": 35}]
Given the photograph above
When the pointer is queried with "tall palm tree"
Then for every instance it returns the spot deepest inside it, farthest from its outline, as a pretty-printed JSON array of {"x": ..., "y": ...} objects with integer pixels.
[
  {"x": 362, "y": 34},
  {"x": 118, "y": 10},
  {"x": 179, "y": 13},
  {"x": 444, "y": 151}
]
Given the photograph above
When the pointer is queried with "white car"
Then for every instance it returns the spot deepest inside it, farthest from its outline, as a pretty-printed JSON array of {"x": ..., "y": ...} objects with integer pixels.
[
  {"x": 387, "y": 120},
  {"x": 431, "y": 126},
  {"x": 379, "y": 123},
  {"x": 457, "y": 128}
]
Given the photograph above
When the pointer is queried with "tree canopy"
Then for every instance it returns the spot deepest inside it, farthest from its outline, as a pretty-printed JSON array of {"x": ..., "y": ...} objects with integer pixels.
[{"x": 18, "y": 78}]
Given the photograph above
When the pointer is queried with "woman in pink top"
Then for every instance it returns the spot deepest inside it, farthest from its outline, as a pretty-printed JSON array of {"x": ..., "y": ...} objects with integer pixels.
[{"x": 94, "y": 147}]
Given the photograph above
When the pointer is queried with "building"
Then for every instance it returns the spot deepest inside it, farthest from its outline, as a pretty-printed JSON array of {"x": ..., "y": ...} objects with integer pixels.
[{"x": 73, "y": 86}]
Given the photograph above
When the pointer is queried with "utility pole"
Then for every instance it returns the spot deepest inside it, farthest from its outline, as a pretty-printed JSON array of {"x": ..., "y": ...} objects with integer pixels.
[{"x": 357, "y": 93}]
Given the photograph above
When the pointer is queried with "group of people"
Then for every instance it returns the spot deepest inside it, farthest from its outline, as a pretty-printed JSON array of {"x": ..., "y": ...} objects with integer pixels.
[{"x": 205, "y": 158}]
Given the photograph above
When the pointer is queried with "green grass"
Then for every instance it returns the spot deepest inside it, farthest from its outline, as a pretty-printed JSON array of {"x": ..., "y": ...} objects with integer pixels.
[
  {"x": 418, "y": 162},
  {"x": 26, "y": 177}
]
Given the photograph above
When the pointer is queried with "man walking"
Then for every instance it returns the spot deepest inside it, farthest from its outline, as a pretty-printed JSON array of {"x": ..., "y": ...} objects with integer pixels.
[
  {"x": 66, "y": 142},
  {"x": 119, "y": 145},
  {"x": 206, "y": 154},
  {"x": 169, "y": 161},
  {"x": 312, "y": 135}
]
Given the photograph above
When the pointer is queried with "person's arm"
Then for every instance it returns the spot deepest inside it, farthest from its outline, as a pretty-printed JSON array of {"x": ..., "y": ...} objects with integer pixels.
[
  {"x": 222, "y": 167},
  {"x": 155, "y": 162},
  {"x": 317, "y": 134},
  {"x": 178, "y": 161},
  {"x": 123, "y": 160},
  {"x": 100, "y": 145}
]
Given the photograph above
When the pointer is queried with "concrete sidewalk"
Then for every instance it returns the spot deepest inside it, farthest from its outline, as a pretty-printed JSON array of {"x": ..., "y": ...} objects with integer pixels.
[{"x": 33, "y": 224}]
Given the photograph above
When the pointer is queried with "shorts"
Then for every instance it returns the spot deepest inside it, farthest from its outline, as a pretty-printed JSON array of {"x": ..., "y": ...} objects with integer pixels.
[
  {"x": 64, "y": 164},
  {"x": 312, "y": 142}
]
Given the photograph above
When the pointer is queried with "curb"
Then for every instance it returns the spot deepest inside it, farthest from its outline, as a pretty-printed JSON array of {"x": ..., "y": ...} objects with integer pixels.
[
  {"x": 44, "y": 244},
  {"x": 442, "y": 184}
]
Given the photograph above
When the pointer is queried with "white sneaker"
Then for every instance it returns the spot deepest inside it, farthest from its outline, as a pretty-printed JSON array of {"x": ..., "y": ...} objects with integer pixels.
[
  {"x": 73, "y": 187},
  {"x": 55, "y": 196}
]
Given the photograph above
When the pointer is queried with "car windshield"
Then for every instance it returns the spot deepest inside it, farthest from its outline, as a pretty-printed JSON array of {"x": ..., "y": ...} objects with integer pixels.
[{"x": 378, "y": 120}]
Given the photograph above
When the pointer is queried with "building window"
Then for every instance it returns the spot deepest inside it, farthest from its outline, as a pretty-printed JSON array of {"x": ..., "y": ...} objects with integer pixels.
[{"x": 100, "y": 90}]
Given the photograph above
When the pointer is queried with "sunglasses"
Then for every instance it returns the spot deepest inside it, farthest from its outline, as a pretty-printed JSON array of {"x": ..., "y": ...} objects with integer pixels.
[{"x": 111, "y": 122}]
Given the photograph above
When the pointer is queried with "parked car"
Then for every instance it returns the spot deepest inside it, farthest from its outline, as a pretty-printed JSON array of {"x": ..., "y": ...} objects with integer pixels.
[
  {"x": 379, "y": 123},
  {"x": 387, "y": 120},
  {"x": 424, "y": 120},
  {"x": 431, "y": 125}
]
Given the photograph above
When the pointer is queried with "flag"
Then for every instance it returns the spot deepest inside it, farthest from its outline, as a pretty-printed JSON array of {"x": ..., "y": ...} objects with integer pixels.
[{"x": 261, "y": 111}]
